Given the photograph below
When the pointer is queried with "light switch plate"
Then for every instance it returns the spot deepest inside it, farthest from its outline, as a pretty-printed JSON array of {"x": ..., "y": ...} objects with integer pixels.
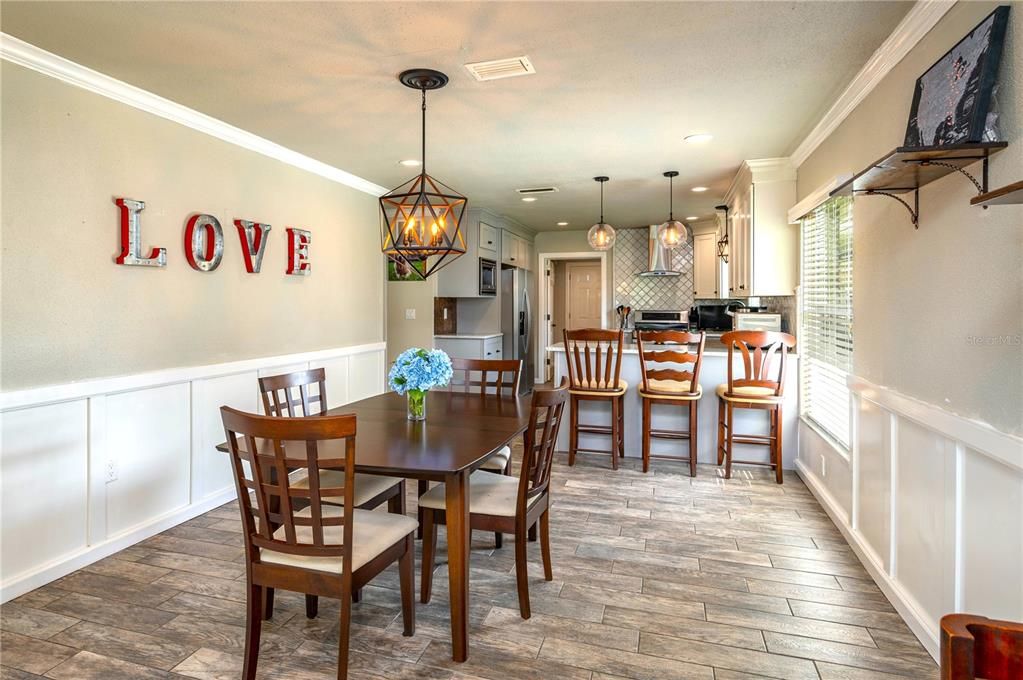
[{"x": 410, "y": 314}]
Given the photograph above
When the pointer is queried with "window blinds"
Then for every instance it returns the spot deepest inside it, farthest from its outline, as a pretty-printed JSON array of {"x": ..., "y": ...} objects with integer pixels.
[{"x": 826, "y": 335}]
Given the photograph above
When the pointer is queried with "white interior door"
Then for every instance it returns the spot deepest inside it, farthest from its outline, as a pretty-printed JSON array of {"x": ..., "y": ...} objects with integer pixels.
[{"x": 583, "y": 295}]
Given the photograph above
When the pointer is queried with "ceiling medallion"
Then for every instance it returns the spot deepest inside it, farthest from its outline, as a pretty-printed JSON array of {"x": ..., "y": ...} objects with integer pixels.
[
  {"x": 672, "y": 233},
  {"x": 601, "y": 235},
  {"x": 421, "y": 219}
]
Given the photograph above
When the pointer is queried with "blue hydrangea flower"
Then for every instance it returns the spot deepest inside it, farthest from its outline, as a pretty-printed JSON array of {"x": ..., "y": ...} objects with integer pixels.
[{"x": 418, "y": 369}]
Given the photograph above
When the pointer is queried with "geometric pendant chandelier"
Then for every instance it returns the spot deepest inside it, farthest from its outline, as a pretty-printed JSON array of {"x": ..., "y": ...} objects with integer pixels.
[{"x": 420, "y": 220}]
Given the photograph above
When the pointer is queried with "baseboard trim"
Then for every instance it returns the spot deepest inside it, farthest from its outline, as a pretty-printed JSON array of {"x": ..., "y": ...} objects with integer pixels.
[
  {"x": 62, "y": 566},
  {"x": 903, "y": 602}
]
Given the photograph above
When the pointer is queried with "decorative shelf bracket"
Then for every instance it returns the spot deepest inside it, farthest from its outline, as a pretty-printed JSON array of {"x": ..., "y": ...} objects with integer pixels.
[
  {"x": 914, "y": 210},
  {"x": 981, "y": 187}
]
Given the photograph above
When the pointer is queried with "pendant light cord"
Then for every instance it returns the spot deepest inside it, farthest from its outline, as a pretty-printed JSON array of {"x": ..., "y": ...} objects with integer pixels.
[
  {"x": 423, "y": 141},
  {"x": 671, "y": 199},
  {"x": 602, "y": 203}
]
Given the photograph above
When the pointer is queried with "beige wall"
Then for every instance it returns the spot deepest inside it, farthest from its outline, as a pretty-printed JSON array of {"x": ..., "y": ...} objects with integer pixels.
[
  {"x": 921, "y": 294},
  {"x": 403, "y": 333},
  {"x": 70, "y": 313}
]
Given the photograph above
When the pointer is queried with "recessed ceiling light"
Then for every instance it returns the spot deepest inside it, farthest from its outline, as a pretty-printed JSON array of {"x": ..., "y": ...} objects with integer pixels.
[
  {"x": 562, "y": 224},
  {"x": 692, "y": 217},
  {"x": 699, "y": 189},
  {"x": 409, "y": 163},
  {"x": 698, "y": 138},
  {"x": 529, "y": 199}
]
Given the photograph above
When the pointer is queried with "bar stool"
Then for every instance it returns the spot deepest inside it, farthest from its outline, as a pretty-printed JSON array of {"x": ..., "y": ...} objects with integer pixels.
[
  {"x": 594, "y": 374},
  {"x": 755, "y": 390},
  {"x": 670, "y": 386}
]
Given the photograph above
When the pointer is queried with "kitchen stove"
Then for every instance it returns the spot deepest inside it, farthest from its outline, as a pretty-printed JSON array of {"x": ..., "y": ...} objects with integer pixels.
[{"x": 661, "y": 320}]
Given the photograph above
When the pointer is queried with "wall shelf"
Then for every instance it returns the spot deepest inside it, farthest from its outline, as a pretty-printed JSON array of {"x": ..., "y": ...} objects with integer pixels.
[
  {"x": 906, "y": 169},
  {"x": 1010, "y": 194}
]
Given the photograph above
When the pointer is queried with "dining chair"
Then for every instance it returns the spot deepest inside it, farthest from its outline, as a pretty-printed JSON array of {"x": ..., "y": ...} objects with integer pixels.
[
  {"x": 671, "y": 377},
  {"x": 594, "y": 374},
  {"x": 760, "y": 387},
  {"x": 489, "y": 377},
  {"x": 505, "y": 504},
  {"x": 296, "y": 542},
  {"x": 979, "y": 647},
  {"x": 291, "y": 395}
]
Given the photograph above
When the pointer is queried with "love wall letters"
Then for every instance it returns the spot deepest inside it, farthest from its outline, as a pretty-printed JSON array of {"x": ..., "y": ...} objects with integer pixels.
[{"x": 204, "y": 242}]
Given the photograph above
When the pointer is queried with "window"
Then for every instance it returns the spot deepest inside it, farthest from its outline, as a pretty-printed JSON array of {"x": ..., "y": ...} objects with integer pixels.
[{"x": 826, "y": 335}]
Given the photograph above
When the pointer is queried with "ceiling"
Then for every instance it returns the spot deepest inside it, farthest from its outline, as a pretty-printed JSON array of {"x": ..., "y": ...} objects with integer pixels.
[{"x": 618, "y": 85}]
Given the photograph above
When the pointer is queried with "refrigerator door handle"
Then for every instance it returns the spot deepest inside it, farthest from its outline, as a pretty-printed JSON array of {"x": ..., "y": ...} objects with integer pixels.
[{"x": 529, "y": 321}]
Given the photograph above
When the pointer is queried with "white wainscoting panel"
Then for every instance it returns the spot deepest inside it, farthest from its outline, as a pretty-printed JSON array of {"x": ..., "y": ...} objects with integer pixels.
[
  {"x": 211, "y": 469},
  {"x": 992, "y": 538},
  {"x": 936, "y": 513},
  {"x": 43, "y": 469},
  {"x": 148, "y": 440},
  {"x": 158, "y": 430}
]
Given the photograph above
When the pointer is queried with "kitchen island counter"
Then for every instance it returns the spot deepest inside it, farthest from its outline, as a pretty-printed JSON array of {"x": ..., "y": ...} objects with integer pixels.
[{"x": 713, "y": 372}]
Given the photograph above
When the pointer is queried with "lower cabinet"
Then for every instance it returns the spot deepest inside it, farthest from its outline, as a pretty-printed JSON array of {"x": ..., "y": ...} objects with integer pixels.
[{"x": 470, "y": 346}]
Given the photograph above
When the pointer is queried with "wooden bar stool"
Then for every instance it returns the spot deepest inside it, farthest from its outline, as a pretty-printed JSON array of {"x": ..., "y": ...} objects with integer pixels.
[
  {"x": 756, "y": 389},
  {"x": 979, "y": 647},
  {"x": 670, "y": 386},
  {"x": 594, "y": 359}
]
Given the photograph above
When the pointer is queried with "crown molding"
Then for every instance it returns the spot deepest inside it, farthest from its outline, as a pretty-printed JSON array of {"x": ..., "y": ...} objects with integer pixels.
[
  {"x": 920, "y": 19},
  {"x": 31, "y": 57}
]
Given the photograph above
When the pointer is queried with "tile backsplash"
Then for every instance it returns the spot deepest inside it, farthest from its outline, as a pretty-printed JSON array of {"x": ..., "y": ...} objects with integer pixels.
[{"x": 640, "y": 292}]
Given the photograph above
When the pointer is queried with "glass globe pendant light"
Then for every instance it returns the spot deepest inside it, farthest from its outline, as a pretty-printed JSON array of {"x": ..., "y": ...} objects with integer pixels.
[
  {"x": 421, "y": 219},
  {"x": 601, "y": 235},
  {"x": 672, "y": 233}
]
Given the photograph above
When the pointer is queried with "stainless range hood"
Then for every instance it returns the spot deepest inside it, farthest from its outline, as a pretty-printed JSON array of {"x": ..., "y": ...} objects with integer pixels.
[{"x": 659, "y": 260}]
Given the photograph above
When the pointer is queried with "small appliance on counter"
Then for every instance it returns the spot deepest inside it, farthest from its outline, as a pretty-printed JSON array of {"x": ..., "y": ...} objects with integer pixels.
[{"x": 660, "y": 320}]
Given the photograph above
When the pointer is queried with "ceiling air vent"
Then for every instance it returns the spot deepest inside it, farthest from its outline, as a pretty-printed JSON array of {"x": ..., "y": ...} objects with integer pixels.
[
  {"x": 537, "y": 190},
  {"x": 501, "y": 68}
]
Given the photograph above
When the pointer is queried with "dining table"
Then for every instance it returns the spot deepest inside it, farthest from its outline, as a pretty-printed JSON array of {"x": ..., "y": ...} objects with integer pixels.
[{"x": 461, "y": 431}]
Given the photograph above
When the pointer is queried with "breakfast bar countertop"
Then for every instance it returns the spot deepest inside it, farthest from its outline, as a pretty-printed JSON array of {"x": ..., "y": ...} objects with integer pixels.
[{"x": 712, "y": 347}]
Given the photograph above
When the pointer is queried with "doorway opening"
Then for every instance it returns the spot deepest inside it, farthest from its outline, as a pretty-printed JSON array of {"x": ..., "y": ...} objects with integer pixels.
[{"x": 573, "y": 295}]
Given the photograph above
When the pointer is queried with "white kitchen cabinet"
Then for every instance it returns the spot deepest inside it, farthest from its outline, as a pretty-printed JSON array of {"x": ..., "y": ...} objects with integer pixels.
[
  {"x": 763, "y": 247},
  {"x": 461, "y": 278},
  {"x": 516, "y": 251},
  {"x": 471, "y": 346},
  {"x": 489, "y": 240},
  {"x": 705, "y": 259}
]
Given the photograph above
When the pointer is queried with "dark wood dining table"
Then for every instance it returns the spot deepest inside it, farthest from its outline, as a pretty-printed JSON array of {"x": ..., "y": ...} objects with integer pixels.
[{"x": 460, "y": 433}]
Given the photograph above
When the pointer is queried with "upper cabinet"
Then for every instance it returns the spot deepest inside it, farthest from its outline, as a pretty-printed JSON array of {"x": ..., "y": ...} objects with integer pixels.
[
  {"x": 486, "y": 237},
  {"x": 763, "y": 247},
  {"x": 705, "y": 265}
]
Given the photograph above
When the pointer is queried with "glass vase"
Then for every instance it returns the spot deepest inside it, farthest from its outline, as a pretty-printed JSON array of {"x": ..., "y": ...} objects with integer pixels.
[{"x": 416, "y": 404}]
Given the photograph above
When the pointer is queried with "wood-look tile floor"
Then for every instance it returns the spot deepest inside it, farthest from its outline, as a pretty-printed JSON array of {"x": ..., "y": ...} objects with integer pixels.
[{"x": 657, "y": 577}]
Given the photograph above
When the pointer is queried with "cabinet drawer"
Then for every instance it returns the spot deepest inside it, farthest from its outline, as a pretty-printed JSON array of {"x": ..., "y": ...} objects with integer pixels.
[{"x": 489, "y": 237}]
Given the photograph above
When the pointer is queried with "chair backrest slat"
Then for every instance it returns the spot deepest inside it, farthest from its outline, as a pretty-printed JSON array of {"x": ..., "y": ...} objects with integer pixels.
[
  {"x": 759, "y": 351},
  {"x": 539, "y": 442},
  {"x": 473, "y": 373},
  {"x": 263, "y": 449},
  {"x": 676, "y": 352},
  {"x": 288, "y": 395},
  {"x": 599, "y": 370}
]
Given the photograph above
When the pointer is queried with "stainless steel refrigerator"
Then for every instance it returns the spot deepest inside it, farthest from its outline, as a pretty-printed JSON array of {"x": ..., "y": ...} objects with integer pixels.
[{"x": 518, "y": 291}]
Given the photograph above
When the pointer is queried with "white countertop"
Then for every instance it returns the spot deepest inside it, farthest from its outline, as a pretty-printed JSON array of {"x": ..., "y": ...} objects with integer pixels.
[{"x": 485, "y": 336}]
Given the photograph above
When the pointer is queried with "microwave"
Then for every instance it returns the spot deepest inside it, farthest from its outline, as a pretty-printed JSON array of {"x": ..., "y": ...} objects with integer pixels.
[{"x": 488, "y": 277}]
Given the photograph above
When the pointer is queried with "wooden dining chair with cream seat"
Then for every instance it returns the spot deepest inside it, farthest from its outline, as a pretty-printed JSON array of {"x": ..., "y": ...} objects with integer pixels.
[
  {"x": 295, "y": 541},
  {"x": 594, "y": 359},
  {"x": 671, "y": 377},
  {"x": 487, "y": 377},
  {"x": 760, "y": 387},
  {"x": 292, "y": 395},
  {"x": 506, "y": 504}
]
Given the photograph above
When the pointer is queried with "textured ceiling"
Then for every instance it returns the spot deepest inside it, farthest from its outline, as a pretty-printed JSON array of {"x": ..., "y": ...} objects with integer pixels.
[{"x": 617, "y": 87}]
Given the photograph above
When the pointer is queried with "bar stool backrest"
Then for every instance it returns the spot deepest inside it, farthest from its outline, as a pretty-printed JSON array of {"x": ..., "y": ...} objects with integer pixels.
[
  {"x": 670, "y": 347},
  {"x": 763, "y": 359},
  {"x": 594, "y": 359}
]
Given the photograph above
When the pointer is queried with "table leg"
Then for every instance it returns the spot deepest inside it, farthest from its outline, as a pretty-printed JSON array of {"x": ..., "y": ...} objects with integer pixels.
[{"x": 459, "y": 537}]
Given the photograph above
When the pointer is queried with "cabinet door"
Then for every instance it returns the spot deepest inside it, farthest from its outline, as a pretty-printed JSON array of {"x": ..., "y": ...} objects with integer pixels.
[
  {"x": 509, "y": 248},
  {"x": 705, "y": 266},
  {"x": 526, "y": 254},
  {"x": 489, "y": 237}
]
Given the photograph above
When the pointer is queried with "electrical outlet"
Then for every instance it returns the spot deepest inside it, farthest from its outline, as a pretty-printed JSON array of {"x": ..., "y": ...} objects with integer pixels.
[
  {"x": 111, "y": 470},
  {"x": 410, "y": 314},
  {"x": 445, "y": 313}
]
